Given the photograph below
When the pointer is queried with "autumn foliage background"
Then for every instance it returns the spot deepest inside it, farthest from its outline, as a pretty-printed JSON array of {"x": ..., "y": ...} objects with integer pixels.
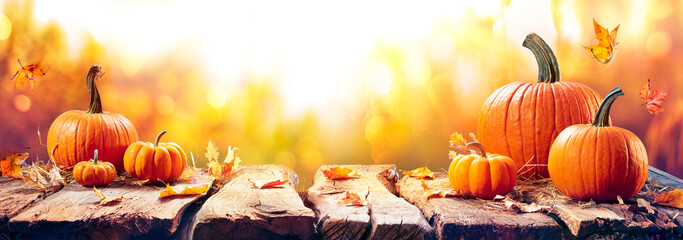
[{"x": 342, "y": 83}]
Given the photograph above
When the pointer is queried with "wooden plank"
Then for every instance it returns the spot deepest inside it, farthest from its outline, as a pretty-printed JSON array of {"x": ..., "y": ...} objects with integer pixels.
[
  {"x": 665, "y": 178},
  {"x": 15, "y": 198},
  {"x": 74, "y": 212},
  {"x": 239, "y": 211},
  {"x": 385, "y": 217},
  {"x": 458, "y": 218}
]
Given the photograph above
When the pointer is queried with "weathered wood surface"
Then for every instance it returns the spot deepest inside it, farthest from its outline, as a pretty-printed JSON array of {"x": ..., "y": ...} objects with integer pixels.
[
  {"x": 15, "y": 197},
  {"x": 240, "y": 211},
  {"x": 459, "y": 218},
  {"x": 665, "y": 178},
  {"x": 386, "y": 216},
  {"x": 75, "y": 213}
]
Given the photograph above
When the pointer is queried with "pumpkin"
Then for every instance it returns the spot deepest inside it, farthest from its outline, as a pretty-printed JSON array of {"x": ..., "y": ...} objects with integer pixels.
[
  {"x": 74, "y": 135},
  {"x": 522, "y": 119},
  {"x": 664, "y": 140},
  {"x": 158, "y": 162},
  {"x": 597, "y": 161},
  {"x": 94, "y": 172},
  {"x": 483, "y": 175}
]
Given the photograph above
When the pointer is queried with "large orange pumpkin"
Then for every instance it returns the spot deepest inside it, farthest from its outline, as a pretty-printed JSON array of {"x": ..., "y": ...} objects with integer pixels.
[
  {"x": 484, "y": 175},
  {"x": 664, "y": 140},
  {"x": 74, "y": 135},
  {"x": 158, "y": 162},
  {"x": 597, "y": 161},
  {"x": 522, "y": 119}
]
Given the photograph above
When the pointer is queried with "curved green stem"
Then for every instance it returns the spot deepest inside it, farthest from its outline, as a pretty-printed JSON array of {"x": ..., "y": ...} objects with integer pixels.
[
  {"x": 95, "y": 102},
  {"x": 477, "y": 147},
  {"x": 602, "y": 116},
  {"x": 156, "y": 142},
  {"x": 548, "y": 69},
  {"x": 94, "y": 160}
]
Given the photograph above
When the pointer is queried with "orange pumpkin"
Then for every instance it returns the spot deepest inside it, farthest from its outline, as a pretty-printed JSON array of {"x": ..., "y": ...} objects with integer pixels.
[
  {"x": 158, "y": 162},
  {"x": 94, "y": 172},
  {"x": 522, "y": 119},
  {"x": 598, "y": 161},
  {"x": 484, "y": 175},
  {"x": 75, "y": 134},
  {"x": 664, "y": 140}
]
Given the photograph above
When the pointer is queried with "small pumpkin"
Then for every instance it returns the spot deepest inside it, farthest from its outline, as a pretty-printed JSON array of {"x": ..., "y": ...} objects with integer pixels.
[
  {"x": 522, "y": 119},
  {"x": 94, "y": 172},
  {"x": 598, "y": 161},
  {"x": 157, "y": 162},
  {"x": 75, "y": 134},
  {"x": 483, "y": 175}
]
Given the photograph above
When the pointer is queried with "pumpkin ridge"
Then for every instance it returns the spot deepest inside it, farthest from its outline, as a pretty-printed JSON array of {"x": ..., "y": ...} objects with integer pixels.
[
  {"x": 579, "y": 139},
  {"x": 530, "y": 124},
  {"x": 518, "y": 104},
  {"x": 628, "y": 154},
  {"x": 77, "y": 137},
  {"x": 507, "y": 116},
  {"x": 598, "y": 158}
]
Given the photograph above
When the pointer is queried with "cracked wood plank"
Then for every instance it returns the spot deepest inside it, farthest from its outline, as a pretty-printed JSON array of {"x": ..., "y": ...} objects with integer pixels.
[
  {"x": 75, "y": 213},
  {"x": 15, "y": 197},
  {"x": 239, "y": 211},
  {"x": 385, "y": 217},
  {"x": 458, "y": 218}
]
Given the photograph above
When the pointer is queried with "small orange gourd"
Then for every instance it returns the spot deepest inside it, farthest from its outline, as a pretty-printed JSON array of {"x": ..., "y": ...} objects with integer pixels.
[
  {"x": 598, "y": 161},
  {"x": 157, "y": 162},
  {"x": 483, "y": 175},
  {"x": 94, "y": 172}
]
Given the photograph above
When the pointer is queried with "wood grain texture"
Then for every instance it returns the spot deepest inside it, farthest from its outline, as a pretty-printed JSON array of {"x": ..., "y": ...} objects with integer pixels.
[
  {"x": 385, "y": 217},
  {"x": 15, "y": 197},
  {"x": 239, "y": 211},
  {"x": 458, "y": 218},
  {"x": 75, "y": 213}
]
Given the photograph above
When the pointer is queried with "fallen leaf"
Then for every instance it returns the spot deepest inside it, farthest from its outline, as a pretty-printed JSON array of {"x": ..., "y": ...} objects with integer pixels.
[
  {"x": 217, "y": 169},
  {"x": 620, "y": 200},
  {"x": 422, "y": 172},
  {"x": 212, "y": 151},
  {"x": 231, "y": 161},
  {"x": 10, "y": 166},
  {"x": 459, "y": 144},
  {"x": 351, "y": 199},
  {"x": 434, "y": 191},
  {"x": 266, "y": 184},
  {"x": 340, "y": 173},
  {"x": 645, "y": 204},
  {"x": 607, "y": 43},
  {"x": 524, "y": 207},
  {"x": 671, "y": 199},
  {"x": 27, "y": 74},
  {"x": 169, "y": 191},
  {"x": 104, "y": 200},
  {"x": 653, "y": 99}
]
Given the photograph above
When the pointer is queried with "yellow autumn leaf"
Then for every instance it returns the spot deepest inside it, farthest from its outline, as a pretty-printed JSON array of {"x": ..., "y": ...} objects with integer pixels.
[
  {"x": 607, "y": 43},
  {"x": 421, "y": 172},
  {"x": 671, "y": 199},
  {"x": 169, "y": 191},
  {"x": 340, "y": 173},
  {"x": 104, "y": 200}
]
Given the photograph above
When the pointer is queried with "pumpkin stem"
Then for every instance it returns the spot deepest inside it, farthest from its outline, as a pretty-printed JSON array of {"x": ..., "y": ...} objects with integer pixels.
[
  {"x": 548, "y": 69},
  {"x": 94, "y": 160},
  {"x": 95, "y": 102},
  {"x": 602, "y": 116},
  {"x": 477, "y": 147},
  {"x": 156, "y": 142}
]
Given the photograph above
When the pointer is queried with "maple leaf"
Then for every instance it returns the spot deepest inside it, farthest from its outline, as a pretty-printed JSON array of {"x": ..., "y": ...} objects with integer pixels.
[
  {"x": 10, "y": 166},
  {"x": 607, "y": 43},
  {"x": 653, "y": 99},
  {"x": 435, "y": 191},
  {"x": 231, "y": 161},
  {"x": 351, "y": 199},
  {"x": 104, "y": 200},
  {"x": 27, "y": 74},
  {"x": 459, "y": 145},
  {"x": 266, "y": 184},
  {"x": 193, "y": 190},
  {"x": 671, "y": 199},
  {"x": 212, "y": 151},
  {"x": 340, "y": 173},
  {"x": 217, "y": 169},
  {"x": 421, "y": 172}
]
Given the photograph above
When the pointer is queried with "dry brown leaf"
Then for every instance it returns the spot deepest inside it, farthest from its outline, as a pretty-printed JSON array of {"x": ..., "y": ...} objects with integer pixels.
[
  {"x": 169, "y": 191},
  {"x": 671, "y": 199},
  {"x": 421, "y": 172},
  {"x": 524, "y": 207},
  {"x": 266, "y": 184},
  {"x": 340, "y": 173},
  {"x": 104, "y": 200},
  {"x": 434, "y": 191},
  {"x": 645, "y": 204},
  {"x": 351, "y": 199}
]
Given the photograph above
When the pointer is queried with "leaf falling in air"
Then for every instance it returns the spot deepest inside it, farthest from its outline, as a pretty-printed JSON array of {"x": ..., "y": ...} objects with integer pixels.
[
  {"x": 104, "y": 200},
  {"x": 26, "y": 76},
  {"x": 193, "y": 190},
  {"x": 653, "y": 99},
  {"x": 340, "y": 173},
  {"x": 11, "y": 165},
  {"x": 607, "y": 43},
  {"x": 266, "y": 184},
  {"x": 421, "y": 172},
  {"x": 671, "y": 199},
  {"x": 351, "y": 199}
]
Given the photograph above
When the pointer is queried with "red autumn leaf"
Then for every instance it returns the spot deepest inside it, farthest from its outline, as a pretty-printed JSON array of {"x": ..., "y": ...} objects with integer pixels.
[
  {"x": 421, "y": 172},
  {"x": 340, "y": 173},
  {"x": 351, "y": 199},
  {"x": 10, "y": 166},
  {"x": 266, "y": 184},
  {"x": 653, "y": 98},
  {"x": 27, "y": 74}
]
